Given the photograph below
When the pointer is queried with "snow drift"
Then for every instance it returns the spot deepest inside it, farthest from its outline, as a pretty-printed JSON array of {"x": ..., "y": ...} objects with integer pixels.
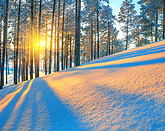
[{"x": 124, "y": 91}]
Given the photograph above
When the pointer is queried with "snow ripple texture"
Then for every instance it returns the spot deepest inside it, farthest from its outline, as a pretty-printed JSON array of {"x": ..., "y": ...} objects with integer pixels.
[{"x": 124, "y": 91}]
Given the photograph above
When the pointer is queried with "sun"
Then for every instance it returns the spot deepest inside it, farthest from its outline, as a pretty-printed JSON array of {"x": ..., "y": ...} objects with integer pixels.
[
  {"x": 42, "y": 43},
  {"x": 39, "y": 43}
]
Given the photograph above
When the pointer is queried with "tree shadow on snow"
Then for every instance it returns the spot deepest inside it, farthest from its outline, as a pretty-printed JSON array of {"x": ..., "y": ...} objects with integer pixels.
[
  {"x": 124, "y": 65},
  {"x": 143, "y": 52},
  {"x": 131, "y": 54},
  {"x": 40, "y": 109}
]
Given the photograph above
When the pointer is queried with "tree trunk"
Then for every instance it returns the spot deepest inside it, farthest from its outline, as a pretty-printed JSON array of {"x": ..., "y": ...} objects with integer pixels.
[
  {"x": 106, "y": 48},
  {"x": 8, "y": 72},
  {"x": 31, "y": 45},
  {"x": 66, "y": 50},
  {"x": 15, "y": 69},
  {"x": 70, "y": 52},
  {"x": 156, "y": 28},
  {"x": 97, "y": 34},
  {"x": 27, "y": 60},
  {"x": 62, "y": 46},
  {"x": 23, "y": 61},
  {"x": 46, "y": 39},
  {"x": 151, "y": 35},
  {"x": 91, "y": 40},
  {"x": 6, "y": 63},
  {"x": 4, "y": 43},
  {"x": 109, "y": 44},
  {"x": 16, "y": 62},
  {"x": 35, "y": 40},
  {"x": 95, "y": 47},
  {"x": 77, "y": 42},
  {"x": 19, "y": 70},
  {"x": 22, "y": 55},
  {"x": 112, "y": 45},
  {"x": 15, "y": 35},
  {"x": 38, "y": 46},
  {"x": 0, "y": 42},
  {"x": 20, "y": 60},
  {"x": 127, "y": 35},
  {"x": 138, "y": 37},
  {"x": 51, "y": 39},
  {"x": 64, "y": 53},
  {"x": 76, "y": 20},
  {"x": 58, "y": 35},
  {"x": 163, "y": 19},
  {"x": 55, "y": 47}
]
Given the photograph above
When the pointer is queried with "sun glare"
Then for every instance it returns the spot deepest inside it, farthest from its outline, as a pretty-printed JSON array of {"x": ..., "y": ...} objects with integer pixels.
[
  {"x": 42, "y": 43},
  {"x": 39, "y": 45}
]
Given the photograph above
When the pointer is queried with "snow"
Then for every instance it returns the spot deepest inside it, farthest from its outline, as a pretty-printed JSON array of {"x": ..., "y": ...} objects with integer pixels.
[
  {"x": 10, "y": 76},
  {"x": 124, "y": 91}
]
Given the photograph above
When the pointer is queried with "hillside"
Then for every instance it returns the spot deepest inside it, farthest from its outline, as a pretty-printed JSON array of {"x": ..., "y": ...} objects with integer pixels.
[{"x": 124, "y": 91}]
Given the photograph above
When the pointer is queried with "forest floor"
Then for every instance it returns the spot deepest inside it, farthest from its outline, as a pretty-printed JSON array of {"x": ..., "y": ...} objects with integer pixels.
[{"x": 124, "y": 91}]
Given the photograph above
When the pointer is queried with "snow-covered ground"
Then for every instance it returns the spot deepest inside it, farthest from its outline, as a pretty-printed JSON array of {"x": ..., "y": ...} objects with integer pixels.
[
  {"x": 124, "y": 91},
  {"x": 10, "y": 76}
]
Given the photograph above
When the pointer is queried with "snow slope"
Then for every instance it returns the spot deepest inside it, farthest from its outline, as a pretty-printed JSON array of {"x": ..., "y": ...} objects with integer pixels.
[{"x": 124, "y": 91}]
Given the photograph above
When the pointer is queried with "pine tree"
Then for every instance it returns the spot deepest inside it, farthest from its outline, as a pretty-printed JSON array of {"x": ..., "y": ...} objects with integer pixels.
[
  {"x": 6, "y": 62},
  {"x": 70, "y": 39},
  {"x": 50, "y": 55},
  {"x": 27, "y": 59},
  {"x": 2, "y": 5},
  {"x": 39, "y": 37},
  {"x": 126, "y": 16},
  {"x": 88, "y": 17},
  {"x": 107, "y": 24},
  {"x": 4, "y": 43},
  {"x": 31, "y": 41},
  {"x": 18, "y": 29},
  {"x": 1, "y": 18},
  {"x": 97, "y": 30},
  {"x": 58, "y": 35},
  {"x": 0, "y": 41},
  {"x": 55, "y": 46},
  {"x": 91, "y": 40},
  {"x": 163, "y": 19},
  {"x": 23, "y": 59},
  {"x": 150, "y": 10},
  {"x": 62, "y": 46},
  {"x": 94, "y": 41},
  {"x": 77, "y": 36},
  {"x": 46, "y": 39},
  {"x": 154, "y": 6}
]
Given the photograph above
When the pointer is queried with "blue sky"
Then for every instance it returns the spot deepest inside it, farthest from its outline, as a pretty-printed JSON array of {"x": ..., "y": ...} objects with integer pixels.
[{"x": 116, "y": 4}]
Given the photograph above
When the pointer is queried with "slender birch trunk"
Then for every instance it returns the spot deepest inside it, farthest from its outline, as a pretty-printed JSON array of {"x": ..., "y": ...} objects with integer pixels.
[{"x": 4, "y": 43}]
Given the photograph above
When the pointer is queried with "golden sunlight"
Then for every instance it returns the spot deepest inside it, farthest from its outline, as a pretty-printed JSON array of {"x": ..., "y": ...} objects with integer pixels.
[
  {"x": 42, "y": 43},
  {"x": 39, "y": 44}
]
